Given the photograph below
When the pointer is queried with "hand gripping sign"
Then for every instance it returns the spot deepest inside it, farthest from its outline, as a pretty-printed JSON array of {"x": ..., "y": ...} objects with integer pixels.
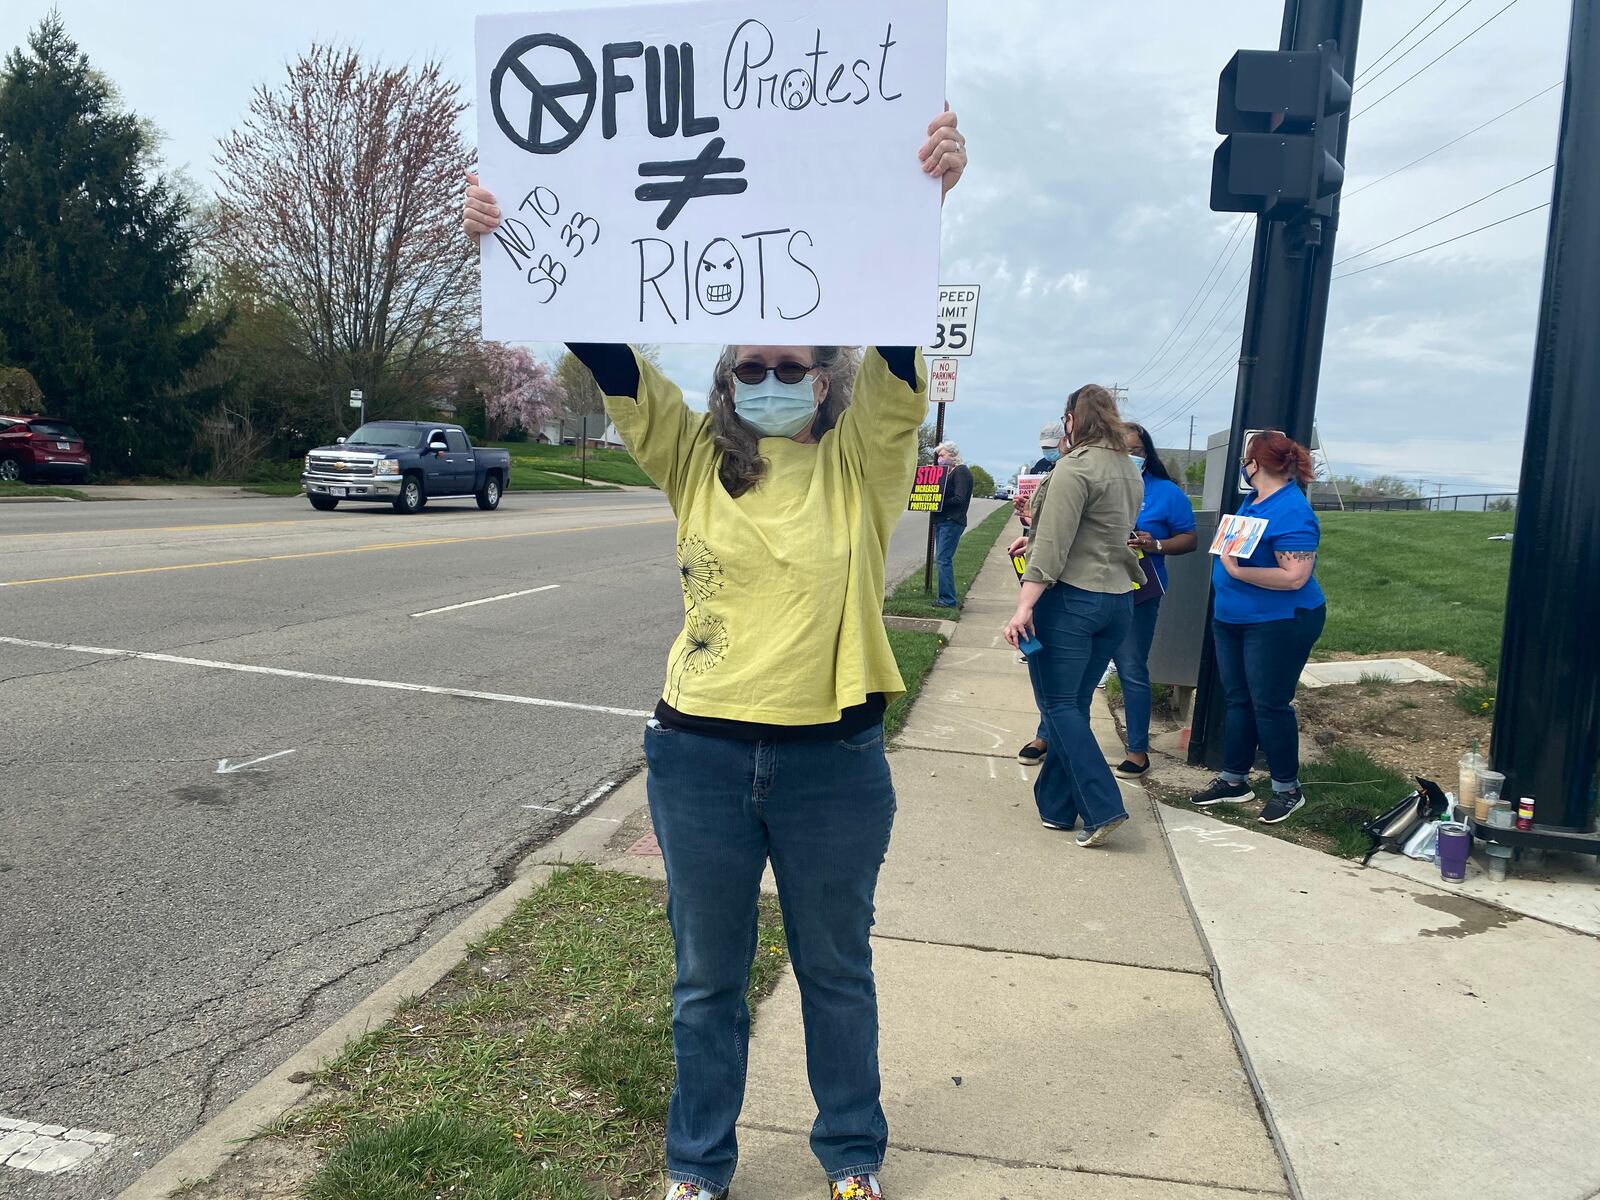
[{"x": 728, "y": 171}]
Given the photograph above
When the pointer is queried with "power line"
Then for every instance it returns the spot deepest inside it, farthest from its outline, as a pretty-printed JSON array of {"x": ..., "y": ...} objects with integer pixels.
[
  {"x": 1447, "y": 241},
  {"x": 1446, "y": 217},
  {"x": 1176, "y": 329},
  {"x": 1209, "y": 387},
  {"x": 1369, "y": 107},
  {"x": 1422, "y": 40},
  {"x": 1374, "y": 63},
  {"x": 1231, "y": 335},
  {"x": 1177, "y": 363},
  {"x": 1230, "y": 328},
  {"x": 1350, "y": 195}
]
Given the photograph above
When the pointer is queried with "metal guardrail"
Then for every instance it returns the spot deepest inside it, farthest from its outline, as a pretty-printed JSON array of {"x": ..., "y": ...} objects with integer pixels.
[{"x": 1503, "y": 502}]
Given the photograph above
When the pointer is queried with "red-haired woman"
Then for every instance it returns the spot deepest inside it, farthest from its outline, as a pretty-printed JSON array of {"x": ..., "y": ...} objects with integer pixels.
[{"x": 1269, "y": 612}]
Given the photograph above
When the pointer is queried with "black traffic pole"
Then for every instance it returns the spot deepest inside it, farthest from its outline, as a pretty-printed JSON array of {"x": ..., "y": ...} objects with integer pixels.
[
  {"x": 1547, "y": 711},
  {"x": 927, "y": 567},
  {"x": 1280, "y": 359}
]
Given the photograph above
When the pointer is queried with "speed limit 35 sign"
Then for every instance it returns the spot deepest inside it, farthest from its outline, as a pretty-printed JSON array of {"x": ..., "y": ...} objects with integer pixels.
[{"x": 958, "y": 320}]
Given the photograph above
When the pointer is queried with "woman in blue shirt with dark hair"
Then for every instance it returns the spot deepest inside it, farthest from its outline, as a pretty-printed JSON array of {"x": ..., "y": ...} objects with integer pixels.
[
  {"x": 1268, "y": 613},
  {"x": 1165, "y": 528}
]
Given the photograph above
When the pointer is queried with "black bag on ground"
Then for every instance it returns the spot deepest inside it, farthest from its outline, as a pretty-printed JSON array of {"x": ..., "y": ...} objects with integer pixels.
[{"x": 1390, "y": 831}]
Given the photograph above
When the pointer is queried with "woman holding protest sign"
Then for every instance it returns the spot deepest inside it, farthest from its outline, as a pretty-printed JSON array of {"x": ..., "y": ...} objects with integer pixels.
[
  {"x": 1075, "y": 608},
  {"x": 768, "y": 740},
  {"x": 1267, "y": 614}
]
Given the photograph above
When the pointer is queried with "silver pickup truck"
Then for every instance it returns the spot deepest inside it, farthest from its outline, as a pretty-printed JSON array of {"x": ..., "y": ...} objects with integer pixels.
[{"x": 406, "y": 464}]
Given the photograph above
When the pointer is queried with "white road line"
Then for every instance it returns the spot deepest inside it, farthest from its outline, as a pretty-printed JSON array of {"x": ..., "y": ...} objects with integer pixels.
[
  {"x": 593, "y": 797},
  {"x": 46, "y": 1149},
  {"x": 224, "y": 767},
  {"x": 282, "y": 673},
  {"x": 433, "y": 612}
]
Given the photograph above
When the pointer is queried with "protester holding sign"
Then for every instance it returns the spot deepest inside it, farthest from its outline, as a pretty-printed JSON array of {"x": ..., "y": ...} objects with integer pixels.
[
  {"x": 1268, "y": 614},
  {"x": 768, "y": 740},
  {"x": 1075, "y": 602},
  {"x": 1166, "y": 527},
  {"x": 950, "y": 522}
]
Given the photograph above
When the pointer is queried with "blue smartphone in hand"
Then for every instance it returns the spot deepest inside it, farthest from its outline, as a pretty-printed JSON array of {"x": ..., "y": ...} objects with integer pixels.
[{"x": 1029, "y": 645}]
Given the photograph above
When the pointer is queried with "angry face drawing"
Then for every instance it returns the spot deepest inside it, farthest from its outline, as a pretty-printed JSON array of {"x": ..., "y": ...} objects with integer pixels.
[{"x": 719, "y": 278}]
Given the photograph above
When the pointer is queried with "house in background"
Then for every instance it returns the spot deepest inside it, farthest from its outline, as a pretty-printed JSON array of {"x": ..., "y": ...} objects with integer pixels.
[{"x": 566, "y": 433}]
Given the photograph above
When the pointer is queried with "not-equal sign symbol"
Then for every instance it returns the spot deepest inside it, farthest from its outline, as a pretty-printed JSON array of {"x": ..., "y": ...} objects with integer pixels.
[{"x": 694, "y": 180}]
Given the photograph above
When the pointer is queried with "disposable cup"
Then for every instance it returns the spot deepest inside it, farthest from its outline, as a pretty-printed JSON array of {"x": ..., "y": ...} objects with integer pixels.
[{"x": 1490, "y": 785}]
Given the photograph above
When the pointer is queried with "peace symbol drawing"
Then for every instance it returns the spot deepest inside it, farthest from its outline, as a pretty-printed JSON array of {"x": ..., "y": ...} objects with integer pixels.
[{"x": 524, "y": 105}]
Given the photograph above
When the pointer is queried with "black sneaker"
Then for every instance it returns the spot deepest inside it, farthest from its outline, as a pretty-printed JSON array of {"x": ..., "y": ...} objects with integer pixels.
[
  {"x": 1128, "y": 769},
  {"x": 1221, "y": 792},
  {"x": 1031, "y": 755},
  {"x": 1281, "y": 807}
]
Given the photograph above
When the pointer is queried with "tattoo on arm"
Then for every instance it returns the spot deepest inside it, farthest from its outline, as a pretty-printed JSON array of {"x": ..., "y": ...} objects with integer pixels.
[{"x": 1297, "y": 555}]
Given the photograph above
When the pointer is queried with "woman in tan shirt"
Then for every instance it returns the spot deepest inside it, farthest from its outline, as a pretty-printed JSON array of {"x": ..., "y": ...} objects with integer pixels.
[{"x": 1075, "y": 601}]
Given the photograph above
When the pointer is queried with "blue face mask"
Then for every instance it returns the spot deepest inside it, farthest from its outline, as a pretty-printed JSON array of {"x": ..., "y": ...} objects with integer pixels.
[
  {"x": 774, "y": 408},
  {"x": 1052, "y": 455},
  {"x": 1137, "y": 460}
]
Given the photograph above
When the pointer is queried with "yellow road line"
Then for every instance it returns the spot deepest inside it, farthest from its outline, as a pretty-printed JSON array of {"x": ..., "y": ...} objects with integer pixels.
[{"x": 235, "y": 562}]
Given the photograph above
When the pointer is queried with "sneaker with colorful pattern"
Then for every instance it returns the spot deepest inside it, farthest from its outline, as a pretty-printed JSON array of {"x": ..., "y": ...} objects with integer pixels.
[
  {"x": 856, "y": 1187},
  {"x": 693, "y": 1191}
]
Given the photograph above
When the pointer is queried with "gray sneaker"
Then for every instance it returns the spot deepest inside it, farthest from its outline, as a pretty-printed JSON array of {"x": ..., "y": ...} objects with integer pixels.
[{"x": 1098, "y": 837}]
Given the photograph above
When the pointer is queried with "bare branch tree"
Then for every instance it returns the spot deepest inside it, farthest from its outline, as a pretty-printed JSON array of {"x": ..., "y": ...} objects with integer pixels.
[{"x": 338, "y": 196}]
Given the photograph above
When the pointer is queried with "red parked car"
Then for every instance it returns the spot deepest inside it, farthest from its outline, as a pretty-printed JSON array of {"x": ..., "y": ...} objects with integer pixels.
[{"x": 41, "y": 448}]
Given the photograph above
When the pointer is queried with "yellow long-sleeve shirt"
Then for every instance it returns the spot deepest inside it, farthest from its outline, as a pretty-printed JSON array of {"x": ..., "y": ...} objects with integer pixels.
[{"x": 782, "y": 587}]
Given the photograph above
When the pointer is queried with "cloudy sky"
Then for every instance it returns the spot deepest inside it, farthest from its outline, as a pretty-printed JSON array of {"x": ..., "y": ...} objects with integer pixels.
[{"x": 1084, "y": 215}]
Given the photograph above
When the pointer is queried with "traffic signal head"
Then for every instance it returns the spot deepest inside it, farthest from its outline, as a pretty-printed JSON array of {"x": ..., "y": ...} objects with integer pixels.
[{"x": 1280, "y": 111}]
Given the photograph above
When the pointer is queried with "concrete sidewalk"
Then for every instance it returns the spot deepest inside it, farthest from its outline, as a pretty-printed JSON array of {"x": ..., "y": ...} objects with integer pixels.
[{"x": 1049, "y": 1025}]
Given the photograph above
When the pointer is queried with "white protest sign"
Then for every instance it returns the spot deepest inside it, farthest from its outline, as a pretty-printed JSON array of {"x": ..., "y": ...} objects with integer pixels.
[
  {"x": 942, "y": 381},
  {"x": 958, "y": 319},
  {"x": 735, "y": 171}
]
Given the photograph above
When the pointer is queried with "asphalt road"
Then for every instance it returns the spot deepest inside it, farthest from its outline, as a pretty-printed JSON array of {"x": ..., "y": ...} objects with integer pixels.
[{"x": 170, "y": 928}]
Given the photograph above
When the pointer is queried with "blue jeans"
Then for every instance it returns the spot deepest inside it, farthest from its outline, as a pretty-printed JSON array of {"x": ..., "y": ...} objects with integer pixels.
[
  {"x": 1133, "y": 672},
  {"x": 1079, "y": 631},
  {"x": 945, "y": 539},
  {"x": 821, "y": 811},
  {"x": 1260, "y": 667}
]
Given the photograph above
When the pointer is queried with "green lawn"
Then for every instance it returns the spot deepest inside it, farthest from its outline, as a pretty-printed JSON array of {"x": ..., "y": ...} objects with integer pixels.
[
  {"x": 914, "y": 654},
  {"x": 527, "y": 478},
  {"x": 1400, "y": 581},
  {"x": 1343, "y": 791},
  {"x": 909, "y": 600},
  {"x": 607, "y": 466},
  {"x": 538, "y": 1070},
  {"x": 12, "y": 488}
]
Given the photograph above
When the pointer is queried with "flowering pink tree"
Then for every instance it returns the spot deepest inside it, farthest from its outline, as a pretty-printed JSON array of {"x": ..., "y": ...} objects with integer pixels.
[{"x": 519, "y": 390}]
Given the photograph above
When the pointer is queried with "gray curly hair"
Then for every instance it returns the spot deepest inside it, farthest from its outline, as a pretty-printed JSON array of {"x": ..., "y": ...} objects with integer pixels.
[{"x": 742, "y": 466}]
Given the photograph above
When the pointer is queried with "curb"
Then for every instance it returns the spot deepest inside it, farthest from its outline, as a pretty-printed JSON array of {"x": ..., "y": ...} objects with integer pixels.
[
  {"x": 40, "y": 500},
  {"x": 1222, "y": 1001},
  {"x": 946, "y": 629},
  {"x": 208, "y": 1148}
]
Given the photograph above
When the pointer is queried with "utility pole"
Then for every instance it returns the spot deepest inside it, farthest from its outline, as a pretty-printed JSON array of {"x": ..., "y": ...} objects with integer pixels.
[
  {"x": 1280, "y": 359},
  {"x": 1547, "y": 708},
  {"x": 1191, "y": 437}
]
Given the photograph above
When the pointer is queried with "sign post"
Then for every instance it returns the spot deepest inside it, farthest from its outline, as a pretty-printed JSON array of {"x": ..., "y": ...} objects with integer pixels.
[
  {"x": 358, "y": 399},
  {"x": 941, "y": 391}
]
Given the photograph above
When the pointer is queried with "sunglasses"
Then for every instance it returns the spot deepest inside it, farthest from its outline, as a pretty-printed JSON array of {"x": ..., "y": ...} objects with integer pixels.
[{"x": 752, "y": 373}]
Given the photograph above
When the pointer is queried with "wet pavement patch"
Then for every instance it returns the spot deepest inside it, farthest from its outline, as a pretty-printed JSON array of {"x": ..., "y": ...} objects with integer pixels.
[{"x": 1471, "y": 916}]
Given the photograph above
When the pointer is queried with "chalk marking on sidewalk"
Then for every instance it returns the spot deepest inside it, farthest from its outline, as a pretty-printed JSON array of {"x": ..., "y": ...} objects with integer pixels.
[
  {"x": 316, "y": 677},
  {"x": 1210, "y": 836},
  {"x": 47, "y": 1149},
  {"x": 433, "y": 612},
  {"x": 993, "y": 774}
]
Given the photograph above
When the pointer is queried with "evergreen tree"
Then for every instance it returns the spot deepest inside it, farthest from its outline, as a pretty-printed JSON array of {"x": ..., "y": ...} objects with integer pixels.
[{"x": 97, "y": 296}]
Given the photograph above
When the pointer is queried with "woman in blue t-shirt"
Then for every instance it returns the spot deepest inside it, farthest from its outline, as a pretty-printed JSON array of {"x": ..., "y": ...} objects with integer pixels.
[
  {"x": 1268, "y": 613},
  {"x": 1165, "y": 528}
]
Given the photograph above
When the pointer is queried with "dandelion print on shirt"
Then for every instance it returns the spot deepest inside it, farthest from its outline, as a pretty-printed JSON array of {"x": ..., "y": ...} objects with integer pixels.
[{"x": 705, "y": 635}]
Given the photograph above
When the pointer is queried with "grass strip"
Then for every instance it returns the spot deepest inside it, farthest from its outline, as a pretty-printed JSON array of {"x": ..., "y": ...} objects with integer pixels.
[
  {"x": 914, "y": 654},
  {"x": 608, "y": 466},
  {"x": 909, "y": 600},
  {"x": 9, "y": 487},
  {"x": 538, "y": 1069},
  {"x": 1343, "y": 791}
]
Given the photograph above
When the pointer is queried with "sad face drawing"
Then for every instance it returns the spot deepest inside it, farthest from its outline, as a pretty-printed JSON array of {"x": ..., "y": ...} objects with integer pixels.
[{"x": 719, "y": 278}]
